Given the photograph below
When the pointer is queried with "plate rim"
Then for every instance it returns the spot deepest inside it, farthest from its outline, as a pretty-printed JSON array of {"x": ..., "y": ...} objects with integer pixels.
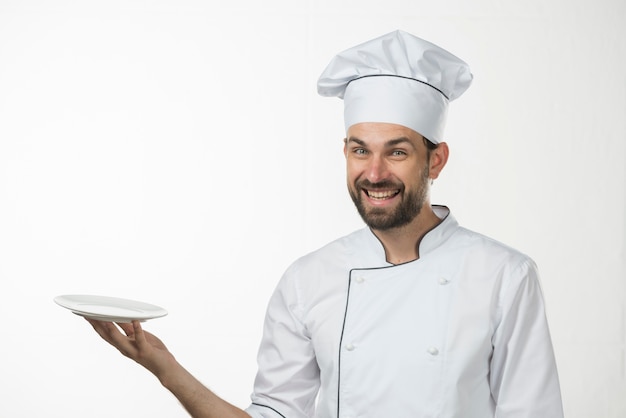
[{"x": 70, "y": 301}]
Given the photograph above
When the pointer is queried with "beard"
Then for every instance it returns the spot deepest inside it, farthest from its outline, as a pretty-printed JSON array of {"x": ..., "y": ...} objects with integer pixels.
[{"x": 383, "y": 219}]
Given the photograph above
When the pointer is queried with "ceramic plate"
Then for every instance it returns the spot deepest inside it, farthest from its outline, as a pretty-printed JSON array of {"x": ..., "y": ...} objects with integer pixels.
[{"x": 110, "y": 309}]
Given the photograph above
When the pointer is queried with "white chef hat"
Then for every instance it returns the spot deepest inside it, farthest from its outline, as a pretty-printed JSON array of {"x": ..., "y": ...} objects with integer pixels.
[{"x": 396, "y": 78}]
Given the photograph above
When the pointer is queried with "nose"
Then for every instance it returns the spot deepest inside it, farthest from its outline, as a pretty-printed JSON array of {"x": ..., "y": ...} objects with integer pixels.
[{"x": 376, "y": 170}]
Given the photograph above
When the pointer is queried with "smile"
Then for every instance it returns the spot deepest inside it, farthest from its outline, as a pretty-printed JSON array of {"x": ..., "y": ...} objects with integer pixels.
[{"x": 381, "y": 195}]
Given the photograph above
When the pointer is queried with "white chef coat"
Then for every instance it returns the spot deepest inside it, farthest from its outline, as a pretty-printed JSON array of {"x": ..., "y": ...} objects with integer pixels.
[{"x": 459, "y": 333}]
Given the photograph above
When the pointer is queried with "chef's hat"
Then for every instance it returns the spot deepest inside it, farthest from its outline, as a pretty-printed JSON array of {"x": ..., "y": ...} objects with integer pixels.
[{"x": 396, "y": 78}]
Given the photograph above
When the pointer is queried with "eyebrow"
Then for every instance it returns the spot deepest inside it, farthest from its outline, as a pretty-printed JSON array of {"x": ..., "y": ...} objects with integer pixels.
[{"x": 388, "y": 144}]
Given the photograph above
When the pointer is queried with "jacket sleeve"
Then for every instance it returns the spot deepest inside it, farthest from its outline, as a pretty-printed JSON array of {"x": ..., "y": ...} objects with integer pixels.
[
  {"x": 524, "y": 381},
  {"x": 287, "y": 380}
]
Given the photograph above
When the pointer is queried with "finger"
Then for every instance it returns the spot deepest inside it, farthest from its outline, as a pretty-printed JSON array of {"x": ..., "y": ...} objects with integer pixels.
[
  {"x": 140, "y": 336},
  {"x": 101, "y": 328},
  {"x": 127, "y": 328},
  {"x": 111, "y": 334}
]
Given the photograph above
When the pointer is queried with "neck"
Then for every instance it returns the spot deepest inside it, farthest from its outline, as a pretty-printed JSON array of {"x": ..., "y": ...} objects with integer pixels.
[{"x": 402, "y": 244}]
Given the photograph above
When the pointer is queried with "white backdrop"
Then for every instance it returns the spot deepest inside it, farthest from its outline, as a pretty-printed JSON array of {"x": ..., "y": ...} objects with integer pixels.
[{"x": 176, "y": 152}]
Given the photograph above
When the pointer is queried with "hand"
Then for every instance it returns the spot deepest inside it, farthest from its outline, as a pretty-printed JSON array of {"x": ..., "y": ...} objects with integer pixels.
[
  {"x": 150, "y": 352},
  {"x": 137, "y": 344}
]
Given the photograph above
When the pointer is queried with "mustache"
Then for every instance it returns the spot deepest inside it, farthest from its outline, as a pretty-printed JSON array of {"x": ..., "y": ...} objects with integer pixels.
[{"x": 382, "y": 185}]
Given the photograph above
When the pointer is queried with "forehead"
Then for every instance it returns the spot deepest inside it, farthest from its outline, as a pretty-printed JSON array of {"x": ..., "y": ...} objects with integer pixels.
[{"x": 375, "y": 132}]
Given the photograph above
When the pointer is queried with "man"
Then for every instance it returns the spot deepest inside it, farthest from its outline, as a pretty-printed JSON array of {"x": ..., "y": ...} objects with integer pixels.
[{"x": 413, "y": 316}]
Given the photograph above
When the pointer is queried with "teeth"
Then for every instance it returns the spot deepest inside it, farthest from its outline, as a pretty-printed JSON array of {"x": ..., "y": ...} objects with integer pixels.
[{"x": 382, "y": 195}]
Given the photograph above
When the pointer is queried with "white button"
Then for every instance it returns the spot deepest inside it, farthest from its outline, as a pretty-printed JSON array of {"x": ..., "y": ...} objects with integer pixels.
[
  {"x": 433, "y": 351},
  {"x": 359, "y": 279},
  {"x": 349, "y": 347},
  {"x": 443, "y": 280}
]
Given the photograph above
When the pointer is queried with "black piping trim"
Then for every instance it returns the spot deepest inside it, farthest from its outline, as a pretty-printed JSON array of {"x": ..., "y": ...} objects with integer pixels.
[
  {"x": 268, "y": 407},
  {"x": 343, "y": 326},
  {"x": 399, "y": 76},
  {"x": 419, "y": 242},
  {"x": 345, "y": 314}
]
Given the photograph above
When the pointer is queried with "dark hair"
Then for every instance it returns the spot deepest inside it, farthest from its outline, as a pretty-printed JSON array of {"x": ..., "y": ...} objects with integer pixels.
[{"x": 430, "y": 146}]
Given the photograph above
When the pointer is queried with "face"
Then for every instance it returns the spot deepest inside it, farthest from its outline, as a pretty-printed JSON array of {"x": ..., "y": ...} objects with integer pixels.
[{"x": 388, "y": 171}]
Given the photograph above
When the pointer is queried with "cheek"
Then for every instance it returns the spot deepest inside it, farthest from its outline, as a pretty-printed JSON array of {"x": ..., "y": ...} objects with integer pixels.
[
  {"x": 353, "y": 170},
  {"x": 412, "y": 178}
]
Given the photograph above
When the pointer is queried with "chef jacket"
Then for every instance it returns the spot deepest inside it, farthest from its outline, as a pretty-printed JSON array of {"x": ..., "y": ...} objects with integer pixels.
[{"x": 460, "y": 332}]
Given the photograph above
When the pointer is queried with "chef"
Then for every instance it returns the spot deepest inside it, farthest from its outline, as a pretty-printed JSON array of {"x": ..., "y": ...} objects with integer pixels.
[{"x": 411, "y": 316}]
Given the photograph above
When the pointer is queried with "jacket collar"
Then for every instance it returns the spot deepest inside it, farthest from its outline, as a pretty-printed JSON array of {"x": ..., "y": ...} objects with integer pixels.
[{"x": 373, "y": 252}]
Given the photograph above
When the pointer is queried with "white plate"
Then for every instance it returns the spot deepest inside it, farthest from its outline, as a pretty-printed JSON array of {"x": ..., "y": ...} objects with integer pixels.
[{"x": 110, "y": 309}]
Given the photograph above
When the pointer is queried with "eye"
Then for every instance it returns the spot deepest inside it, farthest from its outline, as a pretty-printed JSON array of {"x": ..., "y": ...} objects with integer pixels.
[
  {"x": 359, "y": 151},
  {"x": 398, "y": 153}
]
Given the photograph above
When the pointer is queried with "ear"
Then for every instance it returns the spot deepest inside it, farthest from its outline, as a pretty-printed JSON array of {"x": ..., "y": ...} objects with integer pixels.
[
  {"x": 438, "y": 160},
  {"x": 345, "y": 147}
]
